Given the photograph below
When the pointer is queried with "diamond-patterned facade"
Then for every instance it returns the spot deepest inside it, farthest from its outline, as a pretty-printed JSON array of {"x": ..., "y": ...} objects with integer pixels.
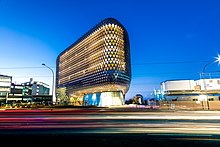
[{"x": 97, "y": 62}]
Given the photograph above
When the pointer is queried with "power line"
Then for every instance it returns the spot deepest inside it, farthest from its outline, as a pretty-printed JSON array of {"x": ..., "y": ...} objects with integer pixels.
[
  {"x": 167, "y": 73},
  {"x": 30, "y": 76},
  {"x": 24, "y": 67},
  {"x": 132, "y": 74},
  {"x": 175, "y": 62}
]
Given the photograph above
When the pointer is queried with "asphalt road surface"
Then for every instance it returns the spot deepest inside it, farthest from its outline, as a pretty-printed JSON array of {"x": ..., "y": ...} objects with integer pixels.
[{"x": 109, "y": 127}]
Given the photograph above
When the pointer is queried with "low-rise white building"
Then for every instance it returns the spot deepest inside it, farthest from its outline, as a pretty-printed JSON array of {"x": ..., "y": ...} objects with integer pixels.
[
  {"x": 191, "y": 89},
  {"x": 5, "y": 87}
]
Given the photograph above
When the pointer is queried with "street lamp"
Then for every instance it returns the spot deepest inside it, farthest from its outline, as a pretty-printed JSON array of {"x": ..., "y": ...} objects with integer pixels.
[
  {"x": 53, "y": 95},
  {"x": 203, "y": 76}
]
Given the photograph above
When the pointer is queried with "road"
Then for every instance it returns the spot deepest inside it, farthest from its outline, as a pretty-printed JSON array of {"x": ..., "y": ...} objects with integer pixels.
[{"x": 110, "y": 127}]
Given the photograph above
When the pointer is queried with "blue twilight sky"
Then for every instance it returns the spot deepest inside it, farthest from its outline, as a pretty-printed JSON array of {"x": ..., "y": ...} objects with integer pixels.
[{"x": 169, "y": 39}]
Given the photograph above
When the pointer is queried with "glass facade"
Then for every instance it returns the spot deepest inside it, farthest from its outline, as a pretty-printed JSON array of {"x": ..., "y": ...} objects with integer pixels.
[
  {"x": 103, "y": 99},
  {"x": 97, "y": 66}
]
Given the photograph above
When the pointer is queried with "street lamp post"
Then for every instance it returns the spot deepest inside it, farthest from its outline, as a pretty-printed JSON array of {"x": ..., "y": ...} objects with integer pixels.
[
  {"x": 53, "y": 95},
  {"x": 204, "y": 82}
]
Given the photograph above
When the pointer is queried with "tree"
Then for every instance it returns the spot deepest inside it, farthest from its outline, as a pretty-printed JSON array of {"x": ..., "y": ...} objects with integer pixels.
[{"x": 62, "y": 97}]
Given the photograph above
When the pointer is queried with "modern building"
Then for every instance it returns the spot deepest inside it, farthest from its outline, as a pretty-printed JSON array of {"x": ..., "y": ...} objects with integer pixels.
[
  {"x": 29, "y": 92},
  {"x": 36, "y": 91},
  {"x": 36, "y": 87},
  {"x": 96, "y": 68},
  {"x": 5, "y": 87}
]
